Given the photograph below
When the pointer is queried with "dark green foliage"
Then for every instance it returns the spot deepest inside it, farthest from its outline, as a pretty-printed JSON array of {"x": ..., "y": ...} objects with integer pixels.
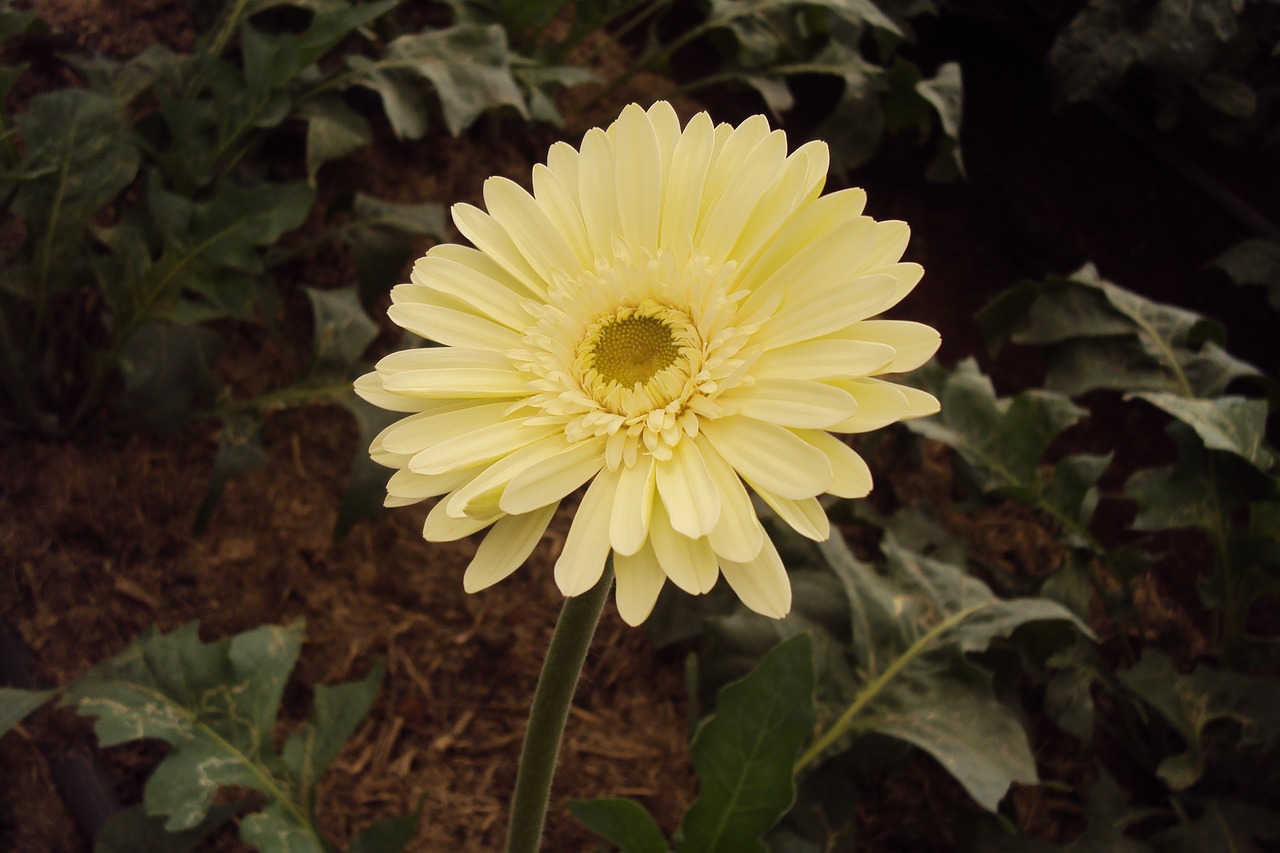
[
  {"x": 1197, "y": 57},
  {"x": 216, "y": 704},
  {"x": 744, "y": 753}
]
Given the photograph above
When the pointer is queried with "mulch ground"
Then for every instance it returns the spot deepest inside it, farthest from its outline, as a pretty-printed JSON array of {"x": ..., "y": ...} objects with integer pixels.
[{"x": 96, "y": 541}]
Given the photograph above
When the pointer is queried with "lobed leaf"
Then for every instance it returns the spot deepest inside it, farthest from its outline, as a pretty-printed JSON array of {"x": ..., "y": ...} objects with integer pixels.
[
  {"x": 216, "y": 704},
  {"x": 79, "y": 157},
  {"x": 947, "y": 707},
  {"x": 1235, "y": 425},
  {"x": 1254, "y": 262},
  {"x": 1103, "y": 336},
  {"x": 1191, "y": 702},
  {"x": 1002, "y": 439},
  {"x": 467, "y": 65},
  {"x": 384, "y": 236}
]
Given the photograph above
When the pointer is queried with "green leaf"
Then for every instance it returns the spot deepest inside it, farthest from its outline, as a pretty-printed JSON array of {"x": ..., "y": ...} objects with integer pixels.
[
  {"x": 273, "y": 61},
  {"x": 389, "y": 835},
  {"x": 79, "y": 156},
  {"x": 132, "y": 830},
  {"x": 1068, "y": 701},
  {"x": 335, "y": 714},
  {"x": 240, "y": 450},
  {"x": 1254, "y": 262},
  {"x": 911, "y": 627},
  {"x": 384, "y": 236},
  {"x": 216, "y": 705},
  {"x": 203, "y": 243},
  {"x": 165, "y": 367},
  {"x": 366, "y": 486},
  {"x": 16, "y": 704},
  {"x": 744, "y": 753},
  {"x": 1188, "y": 493},
  {"x": 1232, "y": 424},
  {"x": 1002, "y": 439},
  {"x": 1191, "y": 702},
  {"x": 622, "y": 822},
  {"x": 945, "y": 93},
  {"x": 856, "y": 123},
  {"x": 1223, "y": 825},
  {"x": 334, "y": 130},
  {"x": 1072, "y": 493},
  {"x": 1103, "y": 336},
  {"x": 467, "y": 65},
  {"x": 1178, "y": 39},
  {"x": 342, "y": 331},
  {"x": 946, "y": 706}
]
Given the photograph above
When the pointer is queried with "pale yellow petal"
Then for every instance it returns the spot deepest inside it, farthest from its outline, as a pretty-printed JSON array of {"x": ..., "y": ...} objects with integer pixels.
[
  {"x": 537, "y": 238},
  {"x": 838, "y": 213},
  {"x": 596, "y": 193},
  {"x": 633, "y": 505},
  {"x": 770, "y": 455},
  {"x": 639, "y": 581},
  {"x": 882, "y": 403},
  {"x": 508, "y": 545},
  {"x": 804, "y": 516},
  {"x": 829, "y": 306},
  {"x": 824, "y": 358},
  {"x": 414, "y": 434},
  {"x": 737, "y": 534},
  {"x": 487, "y": 235},
  {"x": 405, "y": 487},
  {"x": 731, "y": 153},
  {"x": 757, "y": 175},
  {"x": 552, "y": 479},
  {"x": 689, "y": 563},
  {"x": 481, "y": 495},
  {"x": 369, "y": 388},
  {"x": 689, "y": 163},
  {"x": 851, "y": 478},
  {"x": 560, "y": 204},
  {"x": 688, "y": 491},
  {"x": 762, "y": 583},
  {"x": 478, "y": 446},
  {"x": 791, "y": 402},
  {"x": 472, "y": 277},
  {"x": 586, "y": 547},
  {"x": 913, "y": 343},
  {"x": 637, "y": 177},
  {"x": 442, "y": 527},
  {"x": 905, "y": 275},
  {"x": 891, "y": 240},
  {"x": 803, "y": 175},
  {"x": 452, "y": 327}
]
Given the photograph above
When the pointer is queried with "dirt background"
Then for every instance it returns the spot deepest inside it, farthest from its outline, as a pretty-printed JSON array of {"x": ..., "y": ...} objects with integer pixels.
[{"x": 95, "y": 532}]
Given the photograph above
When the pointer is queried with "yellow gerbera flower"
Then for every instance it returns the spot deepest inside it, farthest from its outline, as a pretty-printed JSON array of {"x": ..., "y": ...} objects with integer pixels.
[{"x": 672, "y": 316}]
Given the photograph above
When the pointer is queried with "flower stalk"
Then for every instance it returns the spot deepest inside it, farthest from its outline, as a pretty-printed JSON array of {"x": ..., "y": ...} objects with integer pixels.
[{"x": 551, "y": 700}]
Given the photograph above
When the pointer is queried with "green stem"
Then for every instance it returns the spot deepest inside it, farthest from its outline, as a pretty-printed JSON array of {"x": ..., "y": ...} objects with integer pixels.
[
  {"x": 550, "y": 711},
  {"x": 873, "y": 689},
  {"x": 230, "y": 19}
]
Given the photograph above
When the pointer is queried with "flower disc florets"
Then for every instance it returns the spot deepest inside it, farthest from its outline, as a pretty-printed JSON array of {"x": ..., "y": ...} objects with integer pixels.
[{"x": 673, "y": 316}]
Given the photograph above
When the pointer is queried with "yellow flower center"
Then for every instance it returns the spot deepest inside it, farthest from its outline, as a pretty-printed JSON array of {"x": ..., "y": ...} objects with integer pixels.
[
  {"x": 631, "y": 350},
  {"x": 638, "y": 358}
]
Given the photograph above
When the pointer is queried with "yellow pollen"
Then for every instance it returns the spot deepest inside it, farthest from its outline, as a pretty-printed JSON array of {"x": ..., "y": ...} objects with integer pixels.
[{"x": 632, "y": 349}]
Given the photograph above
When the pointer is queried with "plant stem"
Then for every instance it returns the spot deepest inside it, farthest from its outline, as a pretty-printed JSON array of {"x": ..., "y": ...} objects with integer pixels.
[
  {"x": 551, "y": 700},
  {"x": 874, "y": 687}
]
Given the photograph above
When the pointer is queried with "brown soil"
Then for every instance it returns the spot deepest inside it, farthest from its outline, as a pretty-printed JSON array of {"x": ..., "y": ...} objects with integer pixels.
[{"x": 96, "y": 535}]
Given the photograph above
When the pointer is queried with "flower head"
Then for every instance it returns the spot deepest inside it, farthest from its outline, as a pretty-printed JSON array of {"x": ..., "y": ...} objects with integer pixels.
[{"x": 674, "y": 317}]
